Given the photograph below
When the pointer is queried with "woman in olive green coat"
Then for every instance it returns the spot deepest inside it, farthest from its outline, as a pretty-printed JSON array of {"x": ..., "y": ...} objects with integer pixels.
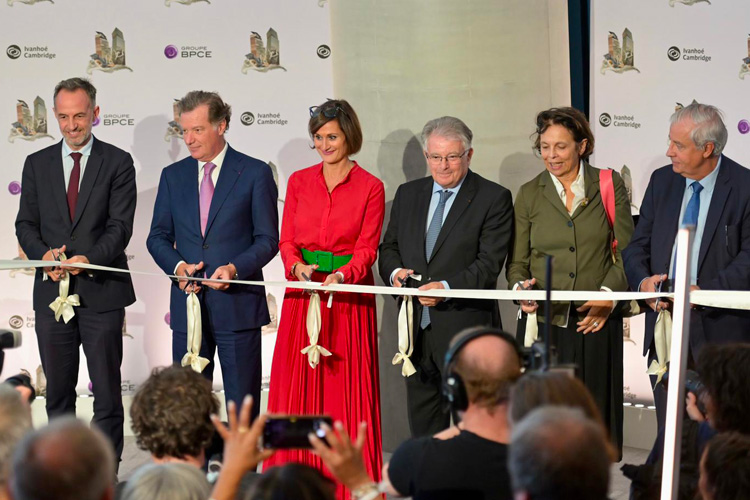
[{"x": 560, "y": 213}]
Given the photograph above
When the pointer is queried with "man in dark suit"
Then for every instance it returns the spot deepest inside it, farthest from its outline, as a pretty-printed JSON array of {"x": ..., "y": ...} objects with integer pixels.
[
  {"x": 79, "y": 198},
  {"x": 216, "y": 214},
  {"x": 452, "y": 230},
  {"x": 705, "y": 188}
]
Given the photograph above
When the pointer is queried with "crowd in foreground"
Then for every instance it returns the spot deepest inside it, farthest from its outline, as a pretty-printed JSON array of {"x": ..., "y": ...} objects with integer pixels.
[{"x": 523, "y": 435}]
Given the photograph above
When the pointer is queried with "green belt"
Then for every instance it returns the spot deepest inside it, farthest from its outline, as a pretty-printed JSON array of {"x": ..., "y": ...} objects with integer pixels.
[{"x": 326, "y": 261}]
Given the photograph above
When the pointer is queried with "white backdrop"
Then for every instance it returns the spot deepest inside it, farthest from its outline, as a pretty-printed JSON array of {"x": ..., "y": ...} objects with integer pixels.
[
  {"x": 170, "y": 48},
  {"x": 681, "y": 50}
]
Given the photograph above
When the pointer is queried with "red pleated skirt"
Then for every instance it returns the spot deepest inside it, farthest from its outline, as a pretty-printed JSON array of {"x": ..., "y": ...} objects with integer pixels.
[{"x": 345, "y": 385}]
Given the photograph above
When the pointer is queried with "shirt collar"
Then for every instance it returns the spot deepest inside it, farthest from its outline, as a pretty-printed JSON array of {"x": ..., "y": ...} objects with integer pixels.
[
  {"x": 85, "y": 151},
  {"x": 218, "y": 159},
  {"x": 709, "y": 181},
  {"x": 578, "y": 187},
  {"x": 436, "y": 188}
]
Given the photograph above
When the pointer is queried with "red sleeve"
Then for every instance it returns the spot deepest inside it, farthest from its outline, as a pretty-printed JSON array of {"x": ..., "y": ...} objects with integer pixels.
[
  {"x": 290, "y": 252},
  {"x": 366, "y": 247}
]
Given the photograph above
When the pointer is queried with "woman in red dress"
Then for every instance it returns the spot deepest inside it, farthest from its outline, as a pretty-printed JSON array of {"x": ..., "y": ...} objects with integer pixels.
[{"x": 333, "y": 216}]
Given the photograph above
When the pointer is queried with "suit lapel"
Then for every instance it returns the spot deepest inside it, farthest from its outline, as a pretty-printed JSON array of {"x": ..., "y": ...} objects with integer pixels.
[
  {"x": 231, "y": 169},
  {"x": 59, "y": 189},
  {"x": 421, "y": 211},
  {"x": 93, "y": 165},
  {"x": 190, "y": 192},
  {"x": 670, "y": 211},
  {"x": 550, "y": 193},
  {"x": 719, "y": 198},
  {"x": 460, "y": 204},
  {"x": 592, "y": 189}
]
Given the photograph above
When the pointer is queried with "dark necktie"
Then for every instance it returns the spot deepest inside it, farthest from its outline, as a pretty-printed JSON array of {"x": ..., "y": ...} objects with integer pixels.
[
  {"x": 206, "y": 194},
  {"x": 694, "y": 205},
  {"x": 75, "y": 178},
  {"x": 429, "y": 242}
]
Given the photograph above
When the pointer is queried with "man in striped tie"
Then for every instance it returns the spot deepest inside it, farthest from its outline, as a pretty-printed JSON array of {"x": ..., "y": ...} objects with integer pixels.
[
  {"x": 705, "y": 189},
  {"x": 216, "y": 216},
  {"x": 450, "y": 230}
]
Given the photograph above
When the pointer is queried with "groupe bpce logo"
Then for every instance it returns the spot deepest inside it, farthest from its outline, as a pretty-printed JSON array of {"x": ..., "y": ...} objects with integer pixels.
[
  {"x": 743, "y": 126},
  {"x": 247, "y": 118},
  {"x": 673, "y": 53},
  {"x": 14, "y": 188},
  {"x": 324, "y": 51},
  {"x": 605, "y": 120},
  {"x": 170, "y": 51},
  {"x": 13, "y": 51}
]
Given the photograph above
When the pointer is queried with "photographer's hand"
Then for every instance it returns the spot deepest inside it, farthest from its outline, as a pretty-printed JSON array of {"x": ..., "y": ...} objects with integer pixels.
[
  {"x": 242, "y": 451},
  {"x": 691, "y": 406}
]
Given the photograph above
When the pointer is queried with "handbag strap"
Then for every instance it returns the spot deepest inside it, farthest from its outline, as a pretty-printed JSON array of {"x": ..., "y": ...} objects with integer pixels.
[{"x": 607, "y": 190}]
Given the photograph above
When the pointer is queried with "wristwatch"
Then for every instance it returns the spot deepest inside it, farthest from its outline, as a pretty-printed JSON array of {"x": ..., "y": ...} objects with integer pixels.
[{"x": 369, "y": 491}]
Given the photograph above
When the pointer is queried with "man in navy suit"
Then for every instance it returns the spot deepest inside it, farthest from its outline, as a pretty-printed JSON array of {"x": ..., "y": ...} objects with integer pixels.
[
  {"x": 216, "y": 215},
  {"x": 79, "y": 198},
  {"x": 705, "y": 188}
]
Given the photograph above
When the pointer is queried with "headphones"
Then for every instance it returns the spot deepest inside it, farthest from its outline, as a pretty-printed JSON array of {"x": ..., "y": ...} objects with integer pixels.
[{"x": 454, "y": 390}]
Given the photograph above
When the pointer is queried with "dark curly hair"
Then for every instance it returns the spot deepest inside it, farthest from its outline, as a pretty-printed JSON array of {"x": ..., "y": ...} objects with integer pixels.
[
  {"x": 726, "y": 466},
  {"x": 725, "y": 370},
  {"x": 570, "y": 118},
  {"x": 171, "y": 413}
]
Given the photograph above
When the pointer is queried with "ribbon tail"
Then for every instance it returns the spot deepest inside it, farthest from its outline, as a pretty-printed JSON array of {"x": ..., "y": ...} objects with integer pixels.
[
  {"x": 531, "y": 334},
  {"x": 194, "y": 335}
]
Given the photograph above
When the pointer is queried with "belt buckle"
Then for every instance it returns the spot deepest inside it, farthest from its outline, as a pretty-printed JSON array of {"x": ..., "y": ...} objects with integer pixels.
[{"x": 324, "y": 260}]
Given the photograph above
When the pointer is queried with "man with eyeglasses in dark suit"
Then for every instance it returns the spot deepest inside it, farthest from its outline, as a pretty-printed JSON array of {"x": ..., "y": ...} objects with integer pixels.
[{"x": 448, "y": 231}]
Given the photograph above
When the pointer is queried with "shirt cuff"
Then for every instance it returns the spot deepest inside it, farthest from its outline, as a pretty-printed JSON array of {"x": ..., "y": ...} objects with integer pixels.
[
  {"x": 393, "y": 274},
  {"x": 447, "y": 287},
  {"x": 177, "y": 267},
  {"x": 342, "y": 276},
  {"x": 606, "y": 289}
]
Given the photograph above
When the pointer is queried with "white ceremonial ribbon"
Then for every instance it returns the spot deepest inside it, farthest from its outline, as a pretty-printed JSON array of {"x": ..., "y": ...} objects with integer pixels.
[
  {"x": 63, "y": 305},
  {"x": 314, "y": 351},
  {"x": 663, "y": 344},
  {"x": 707, "y": 298},
  {"x": 194, "y": 335},
  {"x": 531, "y": 334},
  {"x": 405, "y": 337}
]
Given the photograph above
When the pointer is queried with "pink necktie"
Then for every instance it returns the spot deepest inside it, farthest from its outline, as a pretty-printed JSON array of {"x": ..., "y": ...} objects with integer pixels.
[{"x": 206, "y": 193}]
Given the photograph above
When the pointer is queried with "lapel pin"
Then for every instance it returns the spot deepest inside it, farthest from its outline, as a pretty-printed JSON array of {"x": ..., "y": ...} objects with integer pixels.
[{"x": 585, "y": 202}]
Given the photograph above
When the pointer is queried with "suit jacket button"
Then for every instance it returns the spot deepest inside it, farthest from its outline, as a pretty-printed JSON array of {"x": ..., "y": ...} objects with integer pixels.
[
  {"x": 570, "y": 223},
  {"x": 73, "y": 238},
  {"x": 572, "y": 275},
  {"x": 572, "y": 249},
  {"x": 205, "y": 247}
]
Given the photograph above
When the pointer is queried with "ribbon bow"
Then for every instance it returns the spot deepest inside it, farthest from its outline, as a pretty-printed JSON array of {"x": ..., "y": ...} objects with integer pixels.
[
  {"x": 63, "y": 305},
  {"x": 194, "y": 335},
  {"x": 663, "y": 343},
  {"x": 405, "y": 337},
  {"x": 314, "y": 351}
]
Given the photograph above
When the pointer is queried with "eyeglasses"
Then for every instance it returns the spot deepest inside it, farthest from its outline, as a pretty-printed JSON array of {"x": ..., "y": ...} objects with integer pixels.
[
  {"x": 452, "y": 158},
  {"x": 327, "y": 111}
]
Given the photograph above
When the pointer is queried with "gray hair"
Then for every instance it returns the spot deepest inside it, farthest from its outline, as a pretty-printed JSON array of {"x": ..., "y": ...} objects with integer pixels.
[
  {"x": 447, "y": 126},
  {"x": 167, "y": 481},
  {"x": 557, "y": 452},
  {"x": 73, "y": 84},
  {"x": 218, "y": 110},
  {"x": 15, "y": 422},
  {"x": 709, "y": 125},
  {"x": 65, "y": 460}
]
